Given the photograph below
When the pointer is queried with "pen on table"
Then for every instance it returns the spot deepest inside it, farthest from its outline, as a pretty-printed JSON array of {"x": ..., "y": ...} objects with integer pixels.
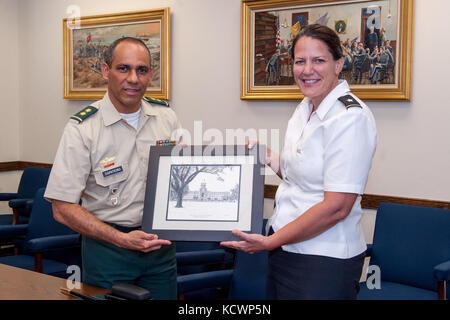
[{"x": 77, "y": 294}]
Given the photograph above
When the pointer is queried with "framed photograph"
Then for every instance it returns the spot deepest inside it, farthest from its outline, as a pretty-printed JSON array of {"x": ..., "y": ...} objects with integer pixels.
[
  {"x": 376, "y": 37},
  {"x": 202, "y": 193},
  {"x": 86, "y": 39}
]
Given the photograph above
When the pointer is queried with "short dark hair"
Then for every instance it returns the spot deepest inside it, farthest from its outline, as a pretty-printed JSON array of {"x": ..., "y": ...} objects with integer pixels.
[
  {"x": 323, "y": 33},
  {"x": 109, "y": 53}
]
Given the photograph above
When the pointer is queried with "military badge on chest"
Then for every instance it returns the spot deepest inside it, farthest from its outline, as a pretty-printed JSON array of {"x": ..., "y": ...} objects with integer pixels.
[
  {"x": 110, "y": 168},
  {"x": 107, "y": 162}
]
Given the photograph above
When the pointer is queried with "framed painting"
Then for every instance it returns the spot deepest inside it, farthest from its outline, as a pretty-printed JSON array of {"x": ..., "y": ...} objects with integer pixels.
[
  {"x": 202, "y": 193},
  {"x": 86, "y": 39},
  {"x": 376, "y": 38}
]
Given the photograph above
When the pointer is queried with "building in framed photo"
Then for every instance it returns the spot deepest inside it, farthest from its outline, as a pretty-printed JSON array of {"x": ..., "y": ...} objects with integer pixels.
[
  {"x": 206, "y": 192},
  {"x": 206, "y": 195}
]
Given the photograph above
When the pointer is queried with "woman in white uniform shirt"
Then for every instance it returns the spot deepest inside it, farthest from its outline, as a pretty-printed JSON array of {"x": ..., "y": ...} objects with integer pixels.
[{"x": 316, "y": 242}]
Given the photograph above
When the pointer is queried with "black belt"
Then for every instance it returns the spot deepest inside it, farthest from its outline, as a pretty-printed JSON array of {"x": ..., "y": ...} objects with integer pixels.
[{"x": 123, "y": 228}]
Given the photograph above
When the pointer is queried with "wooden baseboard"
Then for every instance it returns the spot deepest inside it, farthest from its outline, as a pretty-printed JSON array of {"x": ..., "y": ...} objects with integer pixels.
[{"x": 369, "y": 201}]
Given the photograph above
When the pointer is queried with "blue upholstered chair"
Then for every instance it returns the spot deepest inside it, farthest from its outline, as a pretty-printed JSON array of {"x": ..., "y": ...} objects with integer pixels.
[
  {"x": 411, "y": 247},
  {"x": 194, "y": 257},
  {"x": 245, "y": 281},
  {"x": 49, "y": 246},
  {"x": 32, "y": 179}
]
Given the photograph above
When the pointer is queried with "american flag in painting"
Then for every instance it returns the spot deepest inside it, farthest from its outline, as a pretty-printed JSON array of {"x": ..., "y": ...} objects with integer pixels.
[{"x": 278, "y": 41}]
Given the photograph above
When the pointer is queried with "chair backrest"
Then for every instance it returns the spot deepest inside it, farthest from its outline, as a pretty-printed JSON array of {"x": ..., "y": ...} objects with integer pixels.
[
  {"x": 250, "y": 273},
  {"x": 187, "y": 246},
  {"x": 32, "y": 179},
  {"x": 249, "y": 276},
  {"x": 42, "y": 223},
  {"x": 409, "y": 241},
  {"x": 184, "y": 246},
  {"x": 365, "y": 65}
]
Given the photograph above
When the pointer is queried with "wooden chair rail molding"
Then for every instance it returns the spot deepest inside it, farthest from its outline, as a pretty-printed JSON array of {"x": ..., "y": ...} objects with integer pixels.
[
  {"x": 21, "y": 165},
  {"x": 369, "y": 201}
]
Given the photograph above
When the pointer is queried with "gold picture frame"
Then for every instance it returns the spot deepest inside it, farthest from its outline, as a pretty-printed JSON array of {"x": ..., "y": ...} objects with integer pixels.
[
  {"x": 86, "y": 38},
  {"x": 268, "y": 25}
]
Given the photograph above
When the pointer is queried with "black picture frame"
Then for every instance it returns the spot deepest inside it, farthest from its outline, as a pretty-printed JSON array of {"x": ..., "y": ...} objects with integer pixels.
[{"x": 211, "y": 217}]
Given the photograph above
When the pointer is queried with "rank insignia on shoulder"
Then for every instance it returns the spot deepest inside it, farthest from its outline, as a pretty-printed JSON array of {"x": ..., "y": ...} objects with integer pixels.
[
  {"x": 157, "y": 101},
  {"x": 84, "y": 114},
  {"x": 349, "y": 101}
]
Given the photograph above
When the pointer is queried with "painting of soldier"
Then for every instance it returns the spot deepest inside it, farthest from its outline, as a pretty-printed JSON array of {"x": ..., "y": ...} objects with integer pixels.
[
  {"x": 367, "y": 29},
  {"x": 90, "y": 44}
]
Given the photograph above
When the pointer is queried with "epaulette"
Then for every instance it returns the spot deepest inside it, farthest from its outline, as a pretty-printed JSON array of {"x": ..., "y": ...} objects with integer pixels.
[
  {"x": 84, "y": 114},
  {"x": 349, "y": 101},
  {"x": 157, "y": 101}
]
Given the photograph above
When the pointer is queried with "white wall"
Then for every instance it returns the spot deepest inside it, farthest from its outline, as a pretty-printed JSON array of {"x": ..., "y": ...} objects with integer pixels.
[
  {"x": 9, "y": 93},
  {"x": 413, "y": 156},
  {"x": 9, "y": 81}
]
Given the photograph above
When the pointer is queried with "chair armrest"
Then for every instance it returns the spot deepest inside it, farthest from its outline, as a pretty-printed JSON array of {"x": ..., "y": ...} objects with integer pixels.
[
  {"x": 11, "y": 231},
  {"x": 53, "y": 242},
  {"x": 197, "y": 281},
  {"x": 369, "y": 250},
  {"x": 229, "y": 251},
  {"x": 200, "y": 257},
  {"x": 441, "y": 272},
  {"x": 20, "y": 203},
  {"x": 7, "y": 196}
]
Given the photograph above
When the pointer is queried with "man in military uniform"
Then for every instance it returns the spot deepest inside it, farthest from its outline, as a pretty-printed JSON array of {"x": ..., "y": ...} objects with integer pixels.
[
  {"x": 359, "y": 56},
  {"x": 372, "y": 40},
  {"x": 272, "y": 68},
  {"x": 379, "y": 67},
  {"x": 102, "y": 159},
  {"x": 347, "y": 60}
]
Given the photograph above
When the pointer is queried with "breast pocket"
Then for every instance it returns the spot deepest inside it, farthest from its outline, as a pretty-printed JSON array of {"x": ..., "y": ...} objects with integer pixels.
[
  {"x": 109, "y": 181},
  {"x": 309, "y": 161},
  {"x": 112, "y": 176}
]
